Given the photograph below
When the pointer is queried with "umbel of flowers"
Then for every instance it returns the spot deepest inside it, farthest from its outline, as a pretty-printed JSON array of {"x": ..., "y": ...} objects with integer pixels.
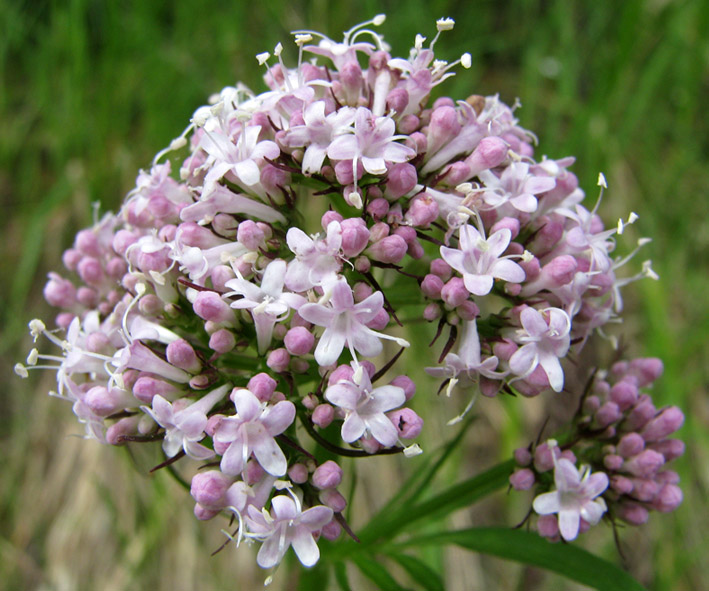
[{"x": 245, "y": 303}]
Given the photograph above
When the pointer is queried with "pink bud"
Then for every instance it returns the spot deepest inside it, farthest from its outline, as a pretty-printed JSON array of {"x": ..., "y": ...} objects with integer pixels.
[
  {"x": 328, "y": 217},
  {"x": 299, "y": 341},
  {"x": 397, "y": 101},
  {"x": 220, "y": 274},
  {"x": 468, "y": 310},
  {"x": 644, "y": 489},
  {"x": 361, "y": 291},
  {"x": 401, "y": 179},
  {"x": 431, "y": 286},
  {"x": 523, "y": 479},
  {"x": 422, "y": 211},
  {"x": 454, "y": 292},
  {"x": 442, "y": 128},
  {"x": 669, "y": 448},
  {"x": 192, "y": 234},
  {"x": 59, "y": 292},
  {"x": 146, "y": 387},
  {"x": 548, "y": 526},
  {"x": 406, "y": 384},
  {"x": 630, "y": 445},
  {"x": 646, "y": 370},
  {"x": 667, "y": 422},
  {"x": 613, "y": 462},
  {"x": 607, "y": 414},
  {"x": 298, "y": 473},
  {"x": 633, "y": 513},
  {"x": 640, "y": 415},
  {"x": 512, "y": 224},
  {"x": 262, "y": 386},
  {"x": 388, "y": 250},
  {"x": 441, "y": 269},
  {"x": 560, "y": 270},
  {"x": 455, "y": 173},
  {"x": 210, "y": 306},
  {"x": 489, "y": 153},
  {"x": 667, "y": 477},
  {"x": 355, "y": 236},
  {"x": 327, "y": 476},
  {"x": 278, "y": 360},
  {"x": 204, "y": 514},
  {"x": 407, "y": 422},
  {"x": 408, "y": 124},
  {"x": 621, "y": 484},
  {"x": 222, "y": 341},
  {"x": 432, "y": 312},
  {"x": 523, "y": 457},
  {"x": 104, "y": 402},
  {"x": 333, "y": 499},
  {"x": 71, "y": 258},
  {"x": 645, "y": 464},
  {"x": 181, "y": 354},
  {"x": 668, "y": 499},
  {"x": 343, "y": 172},
  {"x": 323, "y": 415},
  {"x": 341, "y": 373},
  {"x": 543, "y": 458},
  {"x": 331, "y": 531},
  {"x": 125, "y": 427},
  {"x": 380, "y": 321},
  {"x": 378, "y": 208},
  {"x": 87, "y": 297},
  {"x": 250, "y": 235},
  {"x": 208, "y": 488},
  {"x": 87, "y": 242},
  {"x": 624, "y": 394}
]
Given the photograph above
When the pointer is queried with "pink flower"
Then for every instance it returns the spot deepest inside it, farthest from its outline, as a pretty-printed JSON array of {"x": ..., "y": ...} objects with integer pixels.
[
  {"x": 267, "y": 302},
  {"x": 478, "y": 260},
  {"x": 516, "y": 186},
  {"x": 185, "y": 423},
  {"x": 545, "y": 338},
  {"x": 346, "y": 324},
  {"x": 285, "y": 525},
  {"x": 252, "y": 430},
  {"x": 364, "y": 408},
  {"x": 317, "y": 260},
  {"x": 574, "y": 498}
]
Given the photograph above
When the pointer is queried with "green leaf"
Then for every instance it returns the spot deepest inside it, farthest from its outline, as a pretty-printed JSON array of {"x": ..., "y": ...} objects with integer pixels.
[
  {"x": 420, "y": 572},
  {"x": 374, "y": 571},
  {"x": 459, "y": 495},
  {"x": 341, "y": 576},
  {"x": 529, "y": 548}
]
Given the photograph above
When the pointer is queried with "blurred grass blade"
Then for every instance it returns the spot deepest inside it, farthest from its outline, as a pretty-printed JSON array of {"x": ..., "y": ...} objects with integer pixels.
[
  {"x": 341, "y": 576},
  {"x": 376, "y": 572},
  {"x": 529, "y": 548},
  {"x": 460, "y": 495},
  {"x": 420, "y": 572}
]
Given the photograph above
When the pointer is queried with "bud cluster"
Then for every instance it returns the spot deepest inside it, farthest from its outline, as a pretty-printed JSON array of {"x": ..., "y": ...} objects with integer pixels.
[{"x": 623, "y": 439}]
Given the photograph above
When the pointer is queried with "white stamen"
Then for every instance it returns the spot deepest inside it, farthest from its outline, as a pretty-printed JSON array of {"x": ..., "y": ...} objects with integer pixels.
[
  {"x": 355, "y": 199},
  {"x": 419, "y": 41},
  {"x": 37, "y": 327},
  {"x": 262, "y": 58},
  {"x": 278, "y": 50},
  {"x": 466, "y": 60},
  {"x": 445, "y": 24},
  {"x": 303, "y": 38},
  {"x": 21, "y": 370},
  {"x": 413, "y": 451},
  {"x": 602, "y": 180},
  {"x": 32, "y": 357},
  {"x": 379, "y": 20}
]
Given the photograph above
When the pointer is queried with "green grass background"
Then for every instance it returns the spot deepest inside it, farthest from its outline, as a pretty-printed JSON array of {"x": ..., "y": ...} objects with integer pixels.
[{"x": 90, "y": 90}]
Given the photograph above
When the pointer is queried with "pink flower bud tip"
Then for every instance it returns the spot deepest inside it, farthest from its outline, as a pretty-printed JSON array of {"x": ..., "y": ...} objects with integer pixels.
[
  {"x": 262, "y": 386},
  {"x": 323, "y": 415},
  {"x": 522, "y": 479},
  {"x": 278, "y": 360},
  {"x": 181, "y": 354},
  {"x": 299, "y": 341},
  {"x": 327, "y": 476},
  {"x": 298, "y": 473},
  {"x": 208, "y": 488}
]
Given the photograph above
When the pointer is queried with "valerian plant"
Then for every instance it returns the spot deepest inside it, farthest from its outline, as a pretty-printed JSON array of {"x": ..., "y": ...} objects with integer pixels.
[{"x": 213, "y": 315}]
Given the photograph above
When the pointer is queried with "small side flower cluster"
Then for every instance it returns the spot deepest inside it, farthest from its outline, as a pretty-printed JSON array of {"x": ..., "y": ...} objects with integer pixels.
[
  {"x": 258, "y": 288},
  {"x": 623, "y": 443}
]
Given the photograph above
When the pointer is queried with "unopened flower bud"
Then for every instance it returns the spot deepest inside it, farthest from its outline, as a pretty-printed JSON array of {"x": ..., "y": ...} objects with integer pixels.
[
  {"x": 621, "y": 484},
  {"x": 355, "y": 236},
  {"x": 333, "y": 499},
  {"x": 454, "y": 293},
  {"x": 523, "y": 457},
  {"x": 669, "y": 448},
  {"x": 298, "y": 473},
  {"x": 250, "y": 235},
  {"x": 607, "y": 414},
  {"x": 208, "y": 488},
  {"x": 408, "y": 124},
  {"x": 222, "y": 341},
  {"x": 332, "y": 530},
  {"x": 209, "y": 306},
  {"x": 645, "y": 464},
  {"x": 630, "y": 445},
  {"x": 388, "y": 250},
  {"x": 548, "y": 526},
  {"x": 432, "y": 312},
  {"x": 181, "y": 354},
  {"x": 407, "y": 422},
  {"x": 323, "y": 415},
  {"x": 668, "y": 498},
  {"x": 401, "y": 179},
  {"x": 299, "y": 341},
  {"x": 327, "y": 476},
  {"x": 422, "y": 211},
  {"x": 489, "y": 153},
  {"x": 406, "y": 384},
  {"x": 59, "y": 292},
  {"x": 278, "y": 360},
  {"x": 632, "y": 513},
  {"x": 667, "y": 422},
  {"x": 522, "y": 479},
  {"x": 262, "y": 386},
  {"x": 624, "y": 394}
]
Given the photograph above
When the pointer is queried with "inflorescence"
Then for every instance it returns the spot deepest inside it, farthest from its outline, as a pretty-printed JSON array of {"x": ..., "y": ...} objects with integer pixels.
[{"x": 270, "y": 282}]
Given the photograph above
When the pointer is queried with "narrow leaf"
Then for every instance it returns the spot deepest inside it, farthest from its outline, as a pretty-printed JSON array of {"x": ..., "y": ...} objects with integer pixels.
[
  {"x": 374, "y": 571},
  {"x": 420, "y": 572},
  {"x": 341, "y": 576},
  {"x": 529, "y": 548}
]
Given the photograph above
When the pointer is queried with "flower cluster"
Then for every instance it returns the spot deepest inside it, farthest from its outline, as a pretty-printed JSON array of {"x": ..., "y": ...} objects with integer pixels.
[
  {"x": 620, "y": 436},
  {"x": 257, "y": 288}
]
